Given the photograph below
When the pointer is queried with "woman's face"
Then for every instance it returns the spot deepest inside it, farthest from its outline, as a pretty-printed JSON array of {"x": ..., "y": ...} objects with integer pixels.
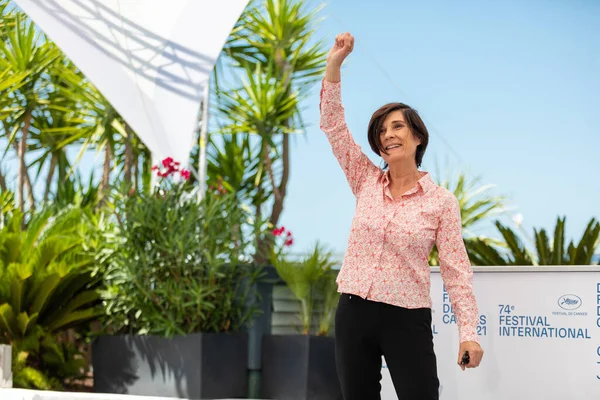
[{"x": 397, "y": 139}]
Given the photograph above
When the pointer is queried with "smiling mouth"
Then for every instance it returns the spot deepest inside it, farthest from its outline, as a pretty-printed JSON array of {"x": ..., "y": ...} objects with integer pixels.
[{"x": 393, "y": 146}]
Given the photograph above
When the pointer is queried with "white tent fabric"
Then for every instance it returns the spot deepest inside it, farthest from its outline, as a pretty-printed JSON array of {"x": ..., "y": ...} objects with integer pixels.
[{"x": 150, "y": 58}]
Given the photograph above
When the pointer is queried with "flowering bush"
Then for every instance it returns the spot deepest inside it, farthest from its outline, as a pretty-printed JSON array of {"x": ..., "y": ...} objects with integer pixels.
[
  {"x": 183, "y": 265},
  {"x": 284, "y": 235},
  {"x": 171, "y": 168}
]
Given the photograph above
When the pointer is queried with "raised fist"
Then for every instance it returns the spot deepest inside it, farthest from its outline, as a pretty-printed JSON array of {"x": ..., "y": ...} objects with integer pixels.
[{"x": 344, "y": 44}]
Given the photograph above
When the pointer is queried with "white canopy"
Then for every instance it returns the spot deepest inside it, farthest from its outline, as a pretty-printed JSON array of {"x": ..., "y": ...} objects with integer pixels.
[{"x": 150, "y": 58}]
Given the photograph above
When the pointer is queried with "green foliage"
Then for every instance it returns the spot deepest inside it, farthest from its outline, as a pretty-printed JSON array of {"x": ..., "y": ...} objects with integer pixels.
[
  {"x": 476, "y": 206},
  {"x": 24, "y": 51},
  {"x": 46, "y": 101},
  {"x": 7, "y": 205},
  {"x": 280, "y": 31},
  {"x": 26, "y": 376},
  {"x": 46, "y": 288},
  {"x": 232, "y": 164},
  {"x": 45, "y": 276},
  {"x": 328, "y": 288},
  {"x": 272, "y": 49},
  {"x": 312, "y": 281},
  {"x": 180, "y": 267},
  {"x": 545, "y": 251},
  {"x": 259, "y": 108},
  {"x": 475, "y": 201},
  {"x": 42, "y": 361}
]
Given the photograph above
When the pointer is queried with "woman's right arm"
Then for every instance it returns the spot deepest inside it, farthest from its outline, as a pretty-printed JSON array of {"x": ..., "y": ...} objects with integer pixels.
[{"x": 353, "y": 161}]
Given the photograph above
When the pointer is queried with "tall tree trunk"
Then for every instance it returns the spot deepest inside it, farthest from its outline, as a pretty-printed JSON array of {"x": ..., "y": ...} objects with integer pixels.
[
  {"x": 53, "y": 162},
  {"x": 265, "y": 245},
  {"x": 261, "y": 255},
  {"x": 29, "y": 187},
  {"x": 28, "y": 184},
  {"x": 2, "y": 182},
  {"x": 2, "y": 179},
  {"x": 128, "y": 154},
  {"x": 106, "y": 170},
  {"x": 21, "y": 150},
  {"x": 146, "y": 171},
  {"x": 136, "y": 173},
  {"x": 103, "y": 189},
  {"x": 277, "y": 208}
]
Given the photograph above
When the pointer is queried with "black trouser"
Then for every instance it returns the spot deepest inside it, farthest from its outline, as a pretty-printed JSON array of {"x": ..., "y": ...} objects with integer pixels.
[{"x": 365, "y": 330}]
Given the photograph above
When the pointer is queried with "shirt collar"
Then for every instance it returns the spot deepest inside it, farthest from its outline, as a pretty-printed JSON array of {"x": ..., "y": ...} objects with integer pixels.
[{"x": 426, "y": 183}]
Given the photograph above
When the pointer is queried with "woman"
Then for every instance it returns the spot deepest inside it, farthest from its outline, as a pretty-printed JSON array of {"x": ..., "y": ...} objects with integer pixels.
[{"x": 385, "y": 305}]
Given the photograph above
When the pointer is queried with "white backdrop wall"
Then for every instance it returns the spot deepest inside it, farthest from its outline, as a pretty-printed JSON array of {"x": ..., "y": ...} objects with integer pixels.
[
  {"x": 540, "y": 330},
  {"x": 539, "y": 327}
]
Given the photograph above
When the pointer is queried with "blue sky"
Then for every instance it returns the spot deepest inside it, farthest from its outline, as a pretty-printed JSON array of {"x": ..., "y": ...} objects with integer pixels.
[{"x": 510, "y": 91}]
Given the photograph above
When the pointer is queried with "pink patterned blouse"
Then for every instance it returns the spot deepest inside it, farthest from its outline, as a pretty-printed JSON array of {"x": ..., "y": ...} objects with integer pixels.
[{"x": 390, "y": 240}]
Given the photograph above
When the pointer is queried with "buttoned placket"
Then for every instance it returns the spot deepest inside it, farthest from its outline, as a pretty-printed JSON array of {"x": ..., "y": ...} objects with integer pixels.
[
  {"x": 389, "y": 204},
  {"x": 376, "y": 265}
]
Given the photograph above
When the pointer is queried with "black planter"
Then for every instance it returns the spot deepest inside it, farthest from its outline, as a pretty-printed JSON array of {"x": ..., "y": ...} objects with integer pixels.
[
  {"x": 196, "y": 366},
  {"x": 299, "y": 367}
]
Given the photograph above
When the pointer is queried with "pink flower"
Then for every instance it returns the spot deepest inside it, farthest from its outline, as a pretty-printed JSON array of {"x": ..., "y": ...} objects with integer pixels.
[
  {"x": 278, "y": 231},
  {"x": 289, "y": 242},
  {"x": 167, "y": 161},
  {"x": 155, "y": 168},
  {"x": 185, "y": 174}
]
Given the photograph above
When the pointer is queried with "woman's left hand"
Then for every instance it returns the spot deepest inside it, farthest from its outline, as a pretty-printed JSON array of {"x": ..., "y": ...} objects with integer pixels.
[{"x": 475, "y": 354}]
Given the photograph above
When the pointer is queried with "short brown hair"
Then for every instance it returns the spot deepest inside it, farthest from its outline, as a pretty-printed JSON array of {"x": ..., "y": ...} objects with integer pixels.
[{"x": 413, "y": 120}]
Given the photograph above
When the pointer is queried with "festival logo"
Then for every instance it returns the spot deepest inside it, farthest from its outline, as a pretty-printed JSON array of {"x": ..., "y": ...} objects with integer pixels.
[{"x": 569, "y": 302}]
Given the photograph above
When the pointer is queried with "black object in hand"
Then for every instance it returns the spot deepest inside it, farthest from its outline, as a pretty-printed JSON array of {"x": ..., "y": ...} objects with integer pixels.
[{"x": 465, "y": 358}]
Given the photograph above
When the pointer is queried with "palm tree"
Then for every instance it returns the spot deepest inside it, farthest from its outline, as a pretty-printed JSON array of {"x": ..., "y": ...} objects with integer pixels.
[
  {"x": 270, "y": 43},
  {"x": 50, "y": 106},
  {"x": 135, "y": 159},
  {"x": 8, "y": 82},
  {"x": 263, "y": 109},
  {"x": 92, "y": 122},
  {"x": 48, "y": 145},
  {"x": 476, "y": 202},
  {"x": 26, "y": 53},
  {"x": 7, "y": 15},
  {"x": 476, "y": 206},
  {"x": 545, "y": 251}
]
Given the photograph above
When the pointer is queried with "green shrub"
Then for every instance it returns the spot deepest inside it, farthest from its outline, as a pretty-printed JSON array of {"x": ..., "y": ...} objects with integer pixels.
[
  {"x": 312, "y": 281},
  {"x": 46, "y": 288},
  {"x": 182, "y": 265}
]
